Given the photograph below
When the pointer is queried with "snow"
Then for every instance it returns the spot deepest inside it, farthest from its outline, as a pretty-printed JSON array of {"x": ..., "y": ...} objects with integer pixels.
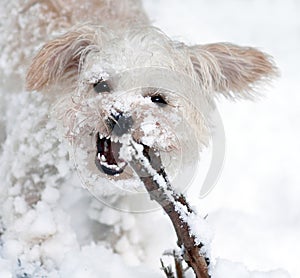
[
  {"x": 236, "y": 270},
  {"x": 5, "y": 269},
  {"x": 111, "y": 265},
  {"x": 253, "y": 212}
]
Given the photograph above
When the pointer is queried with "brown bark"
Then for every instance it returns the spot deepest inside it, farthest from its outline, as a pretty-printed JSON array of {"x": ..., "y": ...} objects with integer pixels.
[{"x": 191, "y": 250}]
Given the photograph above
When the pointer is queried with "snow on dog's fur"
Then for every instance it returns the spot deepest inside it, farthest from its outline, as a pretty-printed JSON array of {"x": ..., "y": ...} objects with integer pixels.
[{"x": 105, "y": 74}]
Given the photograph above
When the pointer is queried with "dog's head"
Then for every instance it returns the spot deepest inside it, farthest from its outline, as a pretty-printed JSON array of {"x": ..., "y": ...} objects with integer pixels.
[{"x": 137, "y": 84}]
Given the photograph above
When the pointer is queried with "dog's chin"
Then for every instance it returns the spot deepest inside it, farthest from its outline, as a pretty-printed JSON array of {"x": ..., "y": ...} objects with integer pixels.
[{"x": 108, "y": 158}]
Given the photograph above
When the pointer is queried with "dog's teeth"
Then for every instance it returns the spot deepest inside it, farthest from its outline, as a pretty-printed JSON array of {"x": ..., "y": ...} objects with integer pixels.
[
  {"x": 122, "y": 164},
  {"x": 100, "y": 157},
  {"x": 103, "y": 158},
  {"x": 115, "y": 139}
]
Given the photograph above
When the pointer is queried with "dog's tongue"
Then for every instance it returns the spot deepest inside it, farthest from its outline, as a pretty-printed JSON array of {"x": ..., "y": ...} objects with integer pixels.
[{"x": 107, "y": 158}]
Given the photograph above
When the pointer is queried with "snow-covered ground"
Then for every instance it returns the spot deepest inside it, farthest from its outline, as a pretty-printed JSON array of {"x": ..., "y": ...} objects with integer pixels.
[
  {"x": 253, "y": 210},
  {"x": 254, "y": 207}
]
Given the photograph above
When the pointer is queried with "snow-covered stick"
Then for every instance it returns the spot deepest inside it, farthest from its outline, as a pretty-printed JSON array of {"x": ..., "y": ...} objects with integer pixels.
[
  {"x": 147, "y": 164},
  {"x": 167, "y": 270},
  {"x": 178, "y": 260}
]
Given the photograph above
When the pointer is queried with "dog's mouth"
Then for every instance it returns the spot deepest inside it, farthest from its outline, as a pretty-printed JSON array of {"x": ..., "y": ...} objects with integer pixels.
[{"x": 107, "y": 157}]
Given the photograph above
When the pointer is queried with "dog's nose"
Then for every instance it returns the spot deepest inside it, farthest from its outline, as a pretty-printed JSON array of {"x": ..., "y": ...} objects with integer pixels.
[{"x": 121, "y": 123}]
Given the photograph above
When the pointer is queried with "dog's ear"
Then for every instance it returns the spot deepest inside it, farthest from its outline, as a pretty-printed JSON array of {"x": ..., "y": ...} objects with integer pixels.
[
  {"x": 234, "y": 71},
  {"x": 58, "y": 60}
]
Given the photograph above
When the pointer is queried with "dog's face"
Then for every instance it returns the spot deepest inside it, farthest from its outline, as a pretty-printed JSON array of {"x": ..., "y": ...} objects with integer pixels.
[{"x": 113, "y": 87}]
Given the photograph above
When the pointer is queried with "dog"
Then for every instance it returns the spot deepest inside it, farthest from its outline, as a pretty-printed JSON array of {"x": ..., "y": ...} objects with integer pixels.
[{"x": 101, "y": 76}]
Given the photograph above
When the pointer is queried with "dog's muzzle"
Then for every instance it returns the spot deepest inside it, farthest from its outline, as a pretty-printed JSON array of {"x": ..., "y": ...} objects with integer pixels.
[
  {"x": 120, "y": 124},
  {"x": 108, "y": 147}
]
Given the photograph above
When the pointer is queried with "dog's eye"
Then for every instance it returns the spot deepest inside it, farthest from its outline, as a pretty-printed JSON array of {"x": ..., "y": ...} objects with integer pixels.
[
  {"x": 102, "y": 86},
  {"x": 159, "y": 100}
]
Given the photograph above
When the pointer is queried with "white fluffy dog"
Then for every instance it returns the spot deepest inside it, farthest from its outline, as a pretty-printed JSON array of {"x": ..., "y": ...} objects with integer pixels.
[{"x": 108, "y": 77}]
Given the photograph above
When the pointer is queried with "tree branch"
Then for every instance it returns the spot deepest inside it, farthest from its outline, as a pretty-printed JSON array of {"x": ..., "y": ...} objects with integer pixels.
[
  {"x": 167, "y": 270},
  {"x": 148, "y": 166}
]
